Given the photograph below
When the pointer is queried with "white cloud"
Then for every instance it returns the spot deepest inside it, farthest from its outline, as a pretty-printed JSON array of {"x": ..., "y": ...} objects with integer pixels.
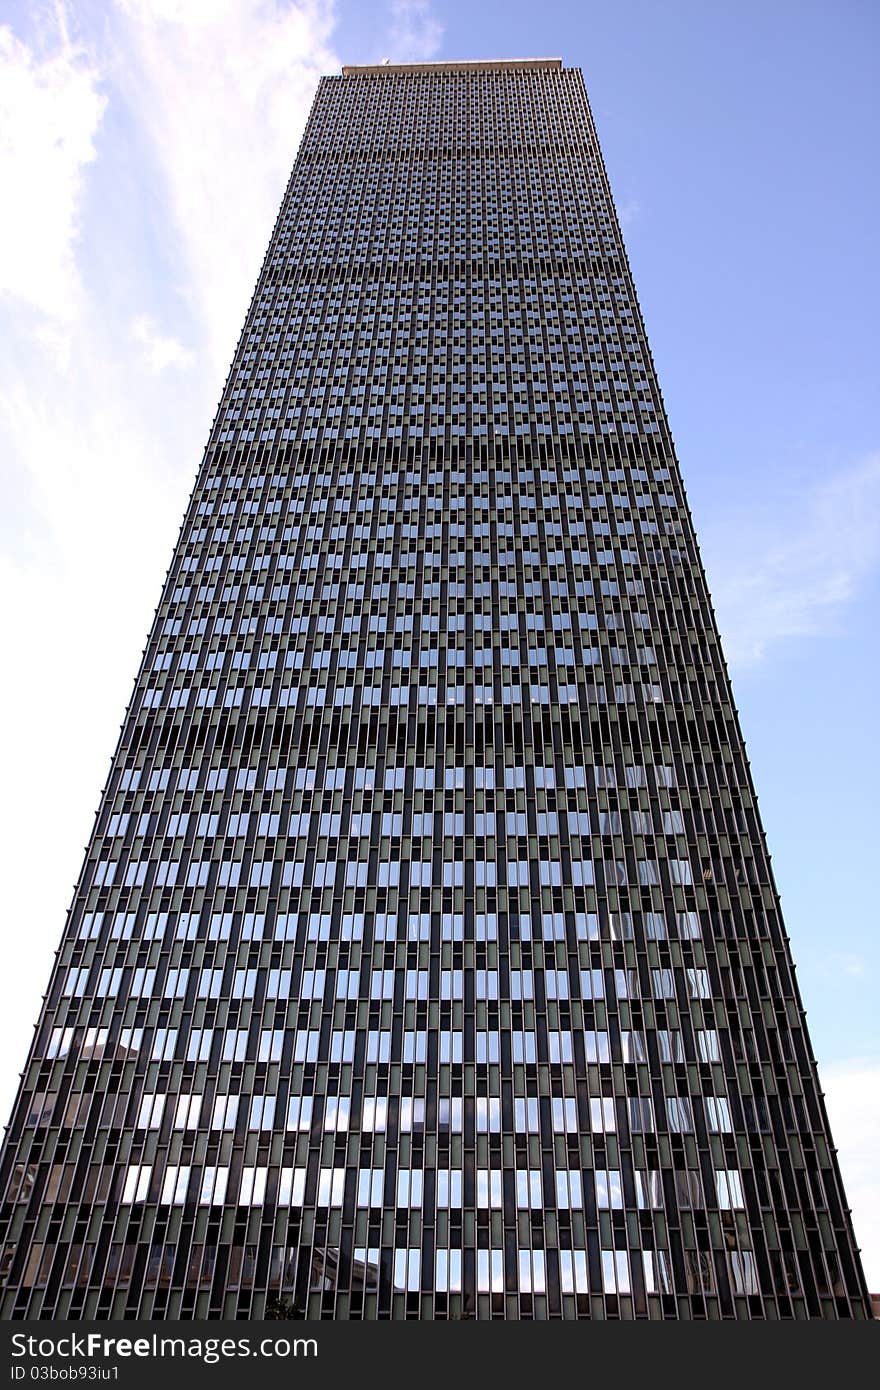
[
  {"x": 223, "y": 88},
  {"x": 629, "y": 211},
  {"x": 50, "y": 110},
  {"x": 852, "y": 1097},
  {"x": 94, "y": 515},
  {"x": 158, "y": 351},
  {"x": 789, "y": 574},
  {"x": 415, "y": 33},
  {"x": 99, "y": 444},
  {"x": 835, "y": 963},
  {"x": 852, "y": 964}
]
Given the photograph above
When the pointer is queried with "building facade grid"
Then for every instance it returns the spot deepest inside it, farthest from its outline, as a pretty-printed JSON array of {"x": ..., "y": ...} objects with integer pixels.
[{"x": 426, "y": 960}]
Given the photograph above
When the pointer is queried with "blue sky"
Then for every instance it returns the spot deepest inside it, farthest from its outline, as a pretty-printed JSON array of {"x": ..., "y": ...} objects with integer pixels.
[{"x": 144, "y": 146}]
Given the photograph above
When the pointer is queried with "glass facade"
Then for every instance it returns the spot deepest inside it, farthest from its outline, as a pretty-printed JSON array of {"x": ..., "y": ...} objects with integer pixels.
[{"x": 426, "y": 960}]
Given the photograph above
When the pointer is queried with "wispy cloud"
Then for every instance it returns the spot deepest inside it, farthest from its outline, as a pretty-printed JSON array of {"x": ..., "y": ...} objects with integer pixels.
[
  {"x": 158, "y": 350},
  {"x": 851, "y": 964},
  {"x": 50, "y": 110},
  {"x": 629, "y": 211},
  {"x": 415, "y": 33},
  {"x": 159, "y": 134},
  {"x": 222, "y": 88},
  {"x": 852, "y": 1096},
  {"x": 790, "y": 573}
]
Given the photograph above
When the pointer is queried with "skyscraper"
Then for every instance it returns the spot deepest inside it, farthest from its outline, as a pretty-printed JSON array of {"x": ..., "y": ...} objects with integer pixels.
[{"x": 426, "y": 959}]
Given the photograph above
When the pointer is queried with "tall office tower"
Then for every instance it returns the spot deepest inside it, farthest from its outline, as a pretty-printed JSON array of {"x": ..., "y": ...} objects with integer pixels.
[{"x": 426, "y": 960}]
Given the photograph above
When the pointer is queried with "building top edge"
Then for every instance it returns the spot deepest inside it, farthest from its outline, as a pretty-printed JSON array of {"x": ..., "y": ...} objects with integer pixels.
[{"x": 477, "y": 65}]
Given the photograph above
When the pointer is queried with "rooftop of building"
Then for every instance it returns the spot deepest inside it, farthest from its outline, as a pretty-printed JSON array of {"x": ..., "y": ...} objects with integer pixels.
[{"x": 477, "y": 65}]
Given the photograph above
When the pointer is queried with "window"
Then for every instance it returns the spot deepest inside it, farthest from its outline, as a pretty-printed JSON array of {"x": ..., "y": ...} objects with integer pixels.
[
  {"x": 225, "y": 1112},
  {"x": 649, "y": 1189},
  {"x": 609, "y": 1193},
  {"x": 213, "y": 1186},
  {"x": 657, "y": 1271},
  {"x": 150, "y": 1113},
  {"x": 136, "y": 1183},
  {"x": 641, "y": 1115},
  {"x": 744, "y": 1273},
  {"x": 573, "y": 1271},
  {"x": 407, "y": 1270},
  {"x": 718, "y": 1115},
  {"x": 679, "y": 1114},
  {"x": 175, "y": 1185},
  {"x": 615, "y": 1272},
  {"x": 187, "y": 1113},
  {"x": 252, "y": 1192},
  {"x": 262, "y": 1114},
  {"x": 602, "y": 1115},
  {"x": 490, "y": 1271},
  {"x": 728, "y": 1186},
  {"x": 331, "y": 1187}
]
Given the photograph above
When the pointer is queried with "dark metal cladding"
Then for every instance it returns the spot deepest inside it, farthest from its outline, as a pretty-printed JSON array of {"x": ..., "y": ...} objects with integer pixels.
[{"x": 426, "y": 960}]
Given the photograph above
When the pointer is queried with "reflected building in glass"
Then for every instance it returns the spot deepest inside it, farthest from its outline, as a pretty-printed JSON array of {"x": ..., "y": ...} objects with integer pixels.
[{"x": 426, "y": 960}]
